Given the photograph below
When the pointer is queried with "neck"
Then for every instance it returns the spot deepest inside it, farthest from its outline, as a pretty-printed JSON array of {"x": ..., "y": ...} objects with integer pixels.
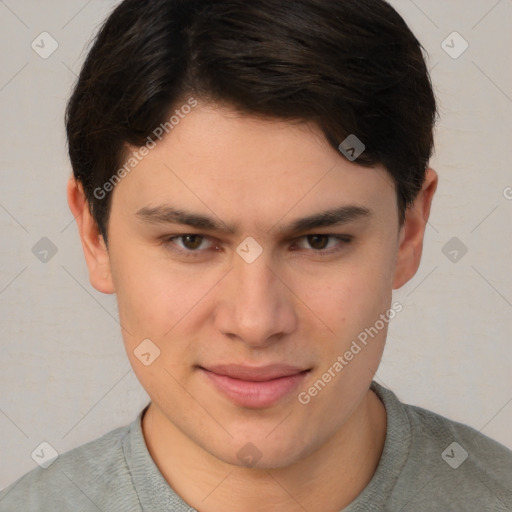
[{"x": 328, "y": 479}]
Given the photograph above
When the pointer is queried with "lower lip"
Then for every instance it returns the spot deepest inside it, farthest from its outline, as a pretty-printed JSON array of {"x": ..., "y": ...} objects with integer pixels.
[{"x": 255, "y": 394}]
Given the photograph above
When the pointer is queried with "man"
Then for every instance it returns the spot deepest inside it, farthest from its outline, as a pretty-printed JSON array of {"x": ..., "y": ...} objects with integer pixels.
[{"x": 252, "y": 182}]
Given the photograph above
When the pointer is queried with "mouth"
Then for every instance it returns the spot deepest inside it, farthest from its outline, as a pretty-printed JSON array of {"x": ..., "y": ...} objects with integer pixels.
[{"x": 255, "y": 387}]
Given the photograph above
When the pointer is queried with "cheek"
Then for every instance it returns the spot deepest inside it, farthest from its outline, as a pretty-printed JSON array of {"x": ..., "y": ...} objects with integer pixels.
[
  {"x": 165, "y": 303},
  {"x": 142, "y": 300},
  {"x": 157, "y": 298},
  {"x": 150, "y": 302},
  {"x": 357, "y": 308},
  {"x": 351, "y": 296},
  {"x": 152, "y": 294}
]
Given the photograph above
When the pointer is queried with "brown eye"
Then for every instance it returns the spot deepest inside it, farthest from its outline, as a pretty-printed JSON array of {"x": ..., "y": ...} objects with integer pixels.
[
  {"x": 318, "y": 242},
  {"x": 192, "y": 242},
  {"x": 323, "y": 244},
  {"x": 190, "y": 245}
]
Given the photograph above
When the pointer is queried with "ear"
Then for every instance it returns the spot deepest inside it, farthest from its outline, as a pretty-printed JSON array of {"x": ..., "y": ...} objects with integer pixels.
[
  {"x": 94, "y": 247},
  {"x": 413, "y": 231}
]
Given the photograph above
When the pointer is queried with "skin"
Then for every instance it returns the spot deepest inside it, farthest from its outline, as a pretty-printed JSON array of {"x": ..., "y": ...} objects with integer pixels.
[{"x": 292, "y": 305}]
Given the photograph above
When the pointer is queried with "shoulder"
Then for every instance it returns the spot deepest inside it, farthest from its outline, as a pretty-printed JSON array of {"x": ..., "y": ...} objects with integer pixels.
[
  {"x": 457, "y": 464},
  {"x": 469, "y": 445},
  {"x": 432, "y": 463},
  {"x": 90, "y": 477}
]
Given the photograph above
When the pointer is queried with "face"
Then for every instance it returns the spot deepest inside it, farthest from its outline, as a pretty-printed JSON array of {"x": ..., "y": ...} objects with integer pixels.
[{"x": 253, "y": 255}]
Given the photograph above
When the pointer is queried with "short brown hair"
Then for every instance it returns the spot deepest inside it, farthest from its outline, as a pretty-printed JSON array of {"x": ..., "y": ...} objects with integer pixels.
[{"x": 350, "y": 66}]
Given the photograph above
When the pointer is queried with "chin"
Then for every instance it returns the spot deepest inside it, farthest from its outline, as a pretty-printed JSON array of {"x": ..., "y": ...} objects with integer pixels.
[{"x": 261, "y": 453}]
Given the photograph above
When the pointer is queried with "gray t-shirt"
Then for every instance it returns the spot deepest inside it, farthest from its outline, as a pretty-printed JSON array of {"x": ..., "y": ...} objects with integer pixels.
[{"x": 429, "y": 463}]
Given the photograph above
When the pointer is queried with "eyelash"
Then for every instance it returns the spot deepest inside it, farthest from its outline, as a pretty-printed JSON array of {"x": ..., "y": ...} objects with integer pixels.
[{"x": 344, "y": 240}]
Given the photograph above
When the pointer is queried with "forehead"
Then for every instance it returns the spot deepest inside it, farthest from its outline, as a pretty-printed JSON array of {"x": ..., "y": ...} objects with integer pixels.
[{"x": 219, "y": 160}]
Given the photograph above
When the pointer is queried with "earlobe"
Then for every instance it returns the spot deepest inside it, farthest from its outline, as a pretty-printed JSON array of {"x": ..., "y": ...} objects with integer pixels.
[
  {"x": 413, "y": 231},
  {"x": 95, "y": 250}
]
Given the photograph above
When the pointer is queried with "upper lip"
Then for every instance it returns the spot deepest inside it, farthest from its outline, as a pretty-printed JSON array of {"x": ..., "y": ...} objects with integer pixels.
[{"x": 256, "y": 374}]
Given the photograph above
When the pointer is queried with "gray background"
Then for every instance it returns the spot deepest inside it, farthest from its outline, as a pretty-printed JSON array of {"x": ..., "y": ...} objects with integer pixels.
[{"x": 64, "y": 376}]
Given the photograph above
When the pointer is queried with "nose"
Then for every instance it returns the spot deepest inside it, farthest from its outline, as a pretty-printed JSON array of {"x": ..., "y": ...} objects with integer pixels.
[{"x": 257, "y": 306}]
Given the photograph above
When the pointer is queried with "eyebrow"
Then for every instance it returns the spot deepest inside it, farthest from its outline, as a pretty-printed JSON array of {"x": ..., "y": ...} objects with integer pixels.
[{"x": 167, "y": 214}]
